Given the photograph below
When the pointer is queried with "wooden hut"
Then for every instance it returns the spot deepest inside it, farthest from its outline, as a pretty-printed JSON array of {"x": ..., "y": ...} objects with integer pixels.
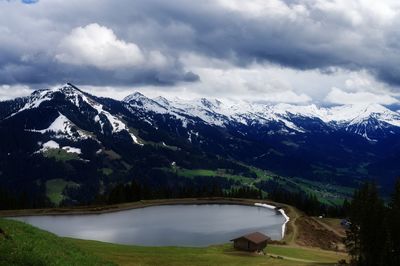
[{"x": 251, "y": 242}]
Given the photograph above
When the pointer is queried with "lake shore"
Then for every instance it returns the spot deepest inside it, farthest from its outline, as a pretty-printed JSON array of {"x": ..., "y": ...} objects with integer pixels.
[
  {"x": 99, "y": 209},
  {"x": 300, "y": 230}
]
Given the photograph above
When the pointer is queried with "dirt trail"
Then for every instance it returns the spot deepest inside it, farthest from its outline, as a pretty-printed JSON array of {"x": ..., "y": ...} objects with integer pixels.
[{"x": 292, "y": 229}]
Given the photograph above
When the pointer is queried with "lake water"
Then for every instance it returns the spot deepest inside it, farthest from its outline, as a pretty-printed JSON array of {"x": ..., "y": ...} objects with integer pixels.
[{"x": 168, "y": 225}]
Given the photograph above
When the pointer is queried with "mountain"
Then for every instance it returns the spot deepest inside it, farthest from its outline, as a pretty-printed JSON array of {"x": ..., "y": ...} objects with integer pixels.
[
  {"x": 340, "y": 143},
  {"x": 65, "y": 146},
  {"x": 363, "y": 119},
  {"x": 86, "y": 113}
]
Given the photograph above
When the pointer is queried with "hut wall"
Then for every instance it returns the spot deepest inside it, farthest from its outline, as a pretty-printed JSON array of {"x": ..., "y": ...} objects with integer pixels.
[
  {"x": 244, "y": 244},
  {"x": 241, "y": 244}
]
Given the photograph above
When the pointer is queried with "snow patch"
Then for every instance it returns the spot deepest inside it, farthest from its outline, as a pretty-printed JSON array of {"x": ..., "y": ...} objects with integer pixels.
[
  {"x": 51, "y": 144},
  {"x": 63, "y": 127},
  {"x": 135, "y": 139},
  {"x": 282, "y": 211},
  {"x": 72, "y": 149}
]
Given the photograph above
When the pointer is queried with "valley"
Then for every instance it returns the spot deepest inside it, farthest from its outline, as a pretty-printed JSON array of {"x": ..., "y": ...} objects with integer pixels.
[{"x": 90, "y": 145}]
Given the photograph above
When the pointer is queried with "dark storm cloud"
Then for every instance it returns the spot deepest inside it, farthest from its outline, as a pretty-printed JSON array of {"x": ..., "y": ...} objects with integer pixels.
[
  {"x": 46, "y": 72},
  {"x": 302, "y": 35}
]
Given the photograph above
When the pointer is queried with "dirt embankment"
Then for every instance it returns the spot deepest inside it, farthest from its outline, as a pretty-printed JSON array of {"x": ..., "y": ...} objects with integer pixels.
[
  {"x": 313, "y": 234},
  {"x": 303, "y": 230}
]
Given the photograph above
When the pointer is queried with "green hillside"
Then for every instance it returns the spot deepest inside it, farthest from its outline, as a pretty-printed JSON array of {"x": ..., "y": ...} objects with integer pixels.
[
  {"x": 325, "y": 192},
  {"x": 22, "y": 244}
]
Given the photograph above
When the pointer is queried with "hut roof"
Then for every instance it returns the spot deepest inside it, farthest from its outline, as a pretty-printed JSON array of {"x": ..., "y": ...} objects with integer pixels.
[{"x": 255, "y": 237}]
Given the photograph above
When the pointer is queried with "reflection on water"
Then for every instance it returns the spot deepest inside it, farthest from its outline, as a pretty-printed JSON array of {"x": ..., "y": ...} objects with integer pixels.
[{"x": 170, "y": 225}]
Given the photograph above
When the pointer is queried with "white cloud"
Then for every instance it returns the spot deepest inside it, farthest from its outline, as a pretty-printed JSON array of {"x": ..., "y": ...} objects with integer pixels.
[
  {"x": 358, "y": 13},
  {"x": 117, "y": 93},
  {"x": 284, "y": 97},
  {"x": 8, "y": 92},
  {"x": 257, "y": 7},
  {"x": 219, "y": 79},
  {"x": 339, "y": 96},
  {"x": 352, "y": 13},
  {"x": 98, "y": 46},
  {"x": 268, "y": 83}
]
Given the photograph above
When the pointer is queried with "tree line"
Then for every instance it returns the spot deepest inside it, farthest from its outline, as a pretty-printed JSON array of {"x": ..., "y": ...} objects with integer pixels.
[
  {"x": 373, "y": 235},
  {"x": 136, "y": 191},
  {"x": 22, "y": 200},
  {"x": 306, "y": 202}
]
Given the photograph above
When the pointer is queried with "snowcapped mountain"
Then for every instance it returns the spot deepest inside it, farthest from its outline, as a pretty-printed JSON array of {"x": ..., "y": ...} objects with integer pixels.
[
  {"x": 360, "y": 119},
  {"x": 69, "y": 98},
  {"x": 77, "y": 115}
]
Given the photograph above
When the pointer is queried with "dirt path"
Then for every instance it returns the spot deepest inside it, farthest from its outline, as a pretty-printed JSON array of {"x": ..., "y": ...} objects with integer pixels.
[{"x": 291, "y": 237}]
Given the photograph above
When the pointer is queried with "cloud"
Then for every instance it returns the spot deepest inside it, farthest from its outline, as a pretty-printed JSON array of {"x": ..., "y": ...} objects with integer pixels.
[
  {"x": 45, "y": 53},
  {"x": 306, "y": 47},
  {"x": 284, "y": 97},
  {"x": 338, "y": 96},
  {"x": 8, "y": 92},
  {"x": 95, "y": 45},
  {"x": 223, "y": 81}
]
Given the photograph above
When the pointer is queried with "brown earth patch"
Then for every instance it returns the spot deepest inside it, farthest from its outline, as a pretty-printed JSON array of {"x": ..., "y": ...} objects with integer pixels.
[{"x": 311, "y": 233}]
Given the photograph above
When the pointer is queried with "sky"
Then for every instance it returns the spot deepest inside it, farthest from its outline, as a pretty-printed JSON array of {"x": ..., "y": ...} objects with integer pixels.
[{"x": 292, "y": 51}]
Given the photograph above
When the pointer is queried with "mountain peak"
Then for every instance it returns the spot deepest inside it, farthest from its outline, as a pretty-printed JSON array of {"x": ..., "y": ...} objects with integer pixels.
[
  {"x": 134, "y": 97},
  {"x": 69, "y": 91},
  {"x": 161, "y": 100},
  {"x": 210, "y": 103},
  {"x": 67, "y": 88}
]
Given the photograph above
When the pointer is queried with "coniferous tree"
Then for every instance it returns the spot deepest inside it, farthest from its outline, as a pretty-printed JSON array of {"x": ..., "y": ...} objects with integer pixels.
[
  {"x": 393, "y": 222},
  {"x": 366, "y": 237}
]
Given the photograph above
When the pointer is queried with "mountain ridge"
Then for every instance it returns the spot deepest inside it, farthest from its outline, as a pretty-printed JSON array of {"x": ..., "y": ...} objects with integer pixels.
[
  {"x": 218, "y": 113},
  {"x": 360, "y": 119}
]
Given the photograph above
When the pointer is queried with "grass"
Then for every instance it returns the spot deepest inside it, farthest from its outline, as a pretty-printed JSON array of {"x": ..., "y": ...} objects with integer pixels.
[
  {"x": 261, "y": 174},
  {"x": 55, "y": 187},
  {"x": 213, "y": 255},
  {"x": 196, "y": 172},
  {"x": 320, "y": 256},
  {"x": 191, "y": 173},
  {"x": 325, "y": 192},
  {"x": 61, "y": 155},
  {"x": 22, "y": 244},
  {"x": 107, "y": 171}
]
